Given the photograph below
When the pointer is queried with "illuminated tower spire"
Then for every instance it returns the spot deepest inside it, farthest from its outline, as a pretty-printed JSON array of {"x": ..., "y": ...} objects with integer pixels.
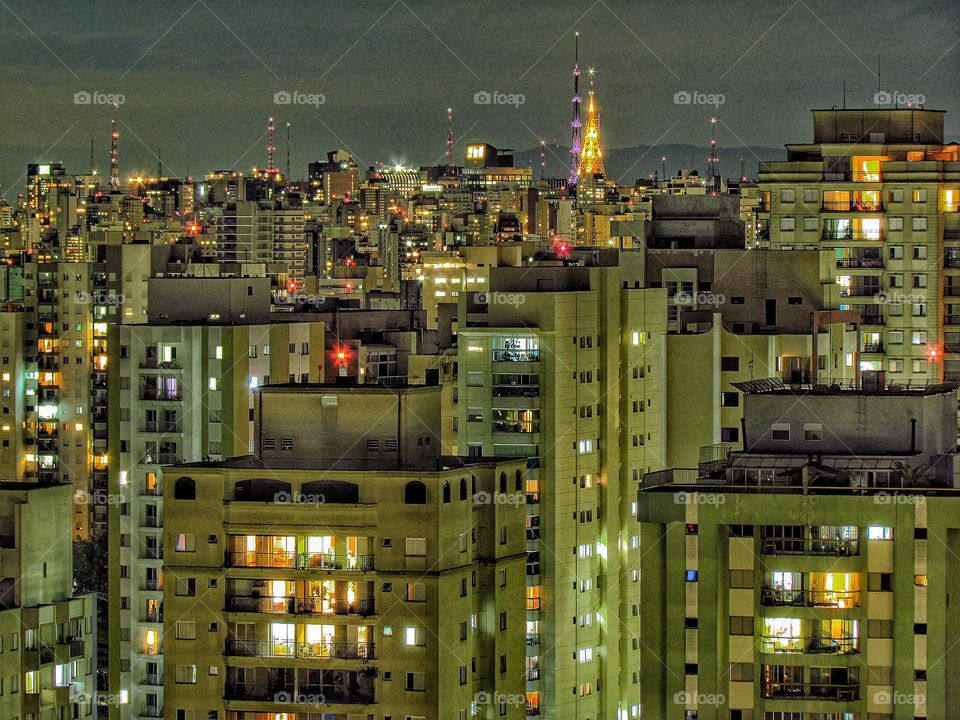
[
  {"x": 543, "y": 158},
  {"x": 575, "y": 139},
  {"x": 591, "y": 156},
  {"x": 449, "y": 150},
  {"x": 114, "y": 151},
  {"x": 272, "y": 168},
  {"x": 714, "y": 160}
]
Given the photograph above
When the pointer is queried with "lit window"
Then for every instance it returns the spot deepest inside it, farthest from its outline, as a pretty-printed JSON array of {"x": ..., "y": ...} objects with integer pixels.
[{"x": 877, "y": 532}]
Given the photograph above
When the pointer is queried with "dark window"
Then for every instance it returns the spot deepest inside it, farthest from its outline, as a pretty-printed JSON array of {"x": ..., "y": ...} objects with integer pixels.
[
  {"x": 185, "y": 488},
  {"x": 415, "y": 493},
  {"x": 446, "y": 492},
  {"x": 463, "y": 488},
  {"x": 730, "y": 363},
  {"x": 730, "y": 399}
]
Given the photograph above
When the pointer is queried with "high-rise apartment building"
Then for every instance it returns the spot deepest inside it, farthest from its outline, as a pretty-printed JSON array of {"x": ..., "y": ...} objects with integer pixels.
[
  {"x": 881, "y": 189},
  {"x": 565, "y": 366},
  {"x": 263, "y": 231},
  {"x": 178, "y": 393},
  {"x": 48, "y": 662},
  {"x": 809, "y": 576},
  {"x": 345, "y": 569}
]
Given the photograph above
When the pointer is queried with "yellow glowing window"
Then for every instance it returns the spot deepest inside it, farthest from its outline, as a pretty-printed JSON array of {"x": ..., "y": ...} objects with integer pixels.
[{"x": 920, "y": 580}]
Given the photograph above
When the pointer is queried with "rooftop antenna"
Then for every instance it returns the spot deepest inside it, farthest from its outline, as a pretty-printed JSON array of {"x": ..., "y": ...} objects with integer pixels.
[
  {"x": 92, "y": 166},
  {"x": 114, "y": 150},
  {"x": 845, "y": 91},
  {"x": 663, "y": 166},
  {"x": 159, "y": 165},
  {"x": 575, "y": 139},
  {"x": 878, "y": 73},
  {"x": 543, "y": 158},
  {"x": 743, "y": 171},
  {"x": 288, "y": 151},
  {"x": 449, "y": 150},
  {"x": 714, "y": 160}
]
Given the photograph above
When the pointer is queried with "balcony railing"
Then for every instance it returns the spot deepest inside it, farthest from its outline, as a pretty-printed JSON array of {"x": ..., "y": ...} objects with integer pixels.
[
  {"x": 811, "y": 598},
  {"x": 860, "y": 262},
  {"x": 156, "y": 364},
  {"x": 237, "y": 691},
  {"x": 852, "y": 206},
  {"x": 293, "y": 605},
  {"x": 319, "y": 651},
  {"x": 860, "y": 291},
  {"x": 300, "y": 561},
  {"x": 809, "y": 645},
  {"x": 516, "y": 355},
  {"x": 152, "y": 393},
  {"x": 951, "y": 319},
  {"x": 516, "y": 391},
  {"x": 872, "y": 347},
  {"x": 799, "y": 546},
  {"x": 852, "y": 235},
  {"x": 846, "y": 692}
]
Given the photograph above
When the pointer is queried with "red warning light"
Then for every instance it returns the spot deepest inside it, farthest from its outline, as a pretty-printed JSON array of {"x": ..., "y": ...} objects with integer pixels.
[{"x": 340, "y": 355}]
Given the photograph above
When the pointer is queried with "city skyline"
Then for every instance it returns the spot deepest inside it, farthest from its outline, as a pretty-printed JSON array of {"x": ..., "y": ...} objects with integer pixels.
[{"x": 389, "y": 72}]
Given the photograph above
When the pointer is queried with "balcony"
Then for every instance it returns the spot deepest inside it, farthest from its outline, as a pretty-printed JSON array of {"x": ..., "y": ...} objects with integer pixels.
[
  {"x": 152, "y": 584},
  {"x": 809, "y": 645},
  {"x": 516, "y": 391},
  {"x": 150, "y": 711},
  {"x": 292, "y": 605},
  {"x": 810, "y": 598},
  {"x": 145, "y": 649},
  {"x": 951, "y": 262},
  {"x": 799, "y": 546},
  {"x": 852, "y": 236},
  {"x": 860, "y": 291},
  {"x": 860, "y": 262},
  {"x": 156, "y": 364},
  {"x": 299, "y": 561},
  {"x": 516, "y": 356},
  {"x": 150, "y": 522},
  {"x": 316, "y": 651},
  {"x": 152, "y": 426},
  {"x": 160, "y": 395},
  {"x": 854, "y": 205},
  {"x": 847, "y": 692},
  {"x": 949, "y": 291},
  {"x": 237, "y": 691},
  {"x": 872, "y": 348},
  {"x": 951, "y": 319},
  {"x": 152, "y": 679}
]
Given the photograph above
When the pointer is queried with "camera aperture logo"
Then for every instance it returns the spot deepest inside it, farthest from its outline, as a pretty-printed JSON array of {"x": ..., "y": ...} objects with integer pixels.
[
  {"x": 485, "y": 498},
  {"x": 500, "y": 298},
  {"x": 698, "y": 498},
  {"x": 498, "y": 698},
  {"x": 496, "y": 97},
  {"x": 315, "y": 699}
]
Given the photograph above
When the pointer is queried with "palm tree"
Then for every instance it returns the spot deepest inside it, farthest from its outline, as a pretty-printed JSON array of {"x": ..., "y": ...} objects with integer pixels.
[{"x": 912, "y": 476}]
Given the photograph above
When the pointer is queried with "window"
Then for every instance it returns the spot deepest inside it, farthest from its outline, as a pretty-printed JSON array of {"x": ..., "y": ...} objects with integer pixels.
[
  {"x": 185, "y": 488},
  {"x": 896, "y": 252},
  {"x": 879, "y": 628},
  {"x": 741, "y": 672},
  {"x": 877, "y": 532},
  {"x": 812, "y": 431},
  {"x": 919, "y": 280},
  {"x": 788, "y": 195},
  {"x": 413, "y": 636},
  {"x": 920, "y": 196},
  {"x": 416, "y": 592},
  {"x": 895, "y": 223},
  {"x": 879, "y": 582},
  {"x": 416, "y": 547},
  {"x": 415, "y": 682},
  {"x": 415, "y": 493},
  {"x": 186, "y": 542},
  {"x": 730, "y": 363},
  {"x": 780, "y": 431},
  {"x": 186, "y": 674},
  {"x": 920, "y": 223},
  {"x": 919, "y": 252},
  {"x": 186, "y": 630},
  {"x": 741, "y": 579},
  {"x": 919, "y": 337},
  {"x": 811, "y": 224},
  {"x": 741, "y": 625},
  {"x": 730, "y": 399}
]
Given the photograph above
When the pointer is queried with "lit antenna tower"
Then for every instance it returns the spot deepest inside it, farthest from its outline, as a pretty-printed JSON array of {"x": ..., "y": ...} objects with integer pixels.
[
  {"x": 575, "y": 139},
  {"x": 272, "y": 168},
  {"x": 591, "y": 156},
  {"x": 449, "y": 150},
  {"x": 543, "y": 158},
  {"x": 114, "y": 151},
  {"x": 288, "y": 151},
  {"x": 714, "y": 160}
]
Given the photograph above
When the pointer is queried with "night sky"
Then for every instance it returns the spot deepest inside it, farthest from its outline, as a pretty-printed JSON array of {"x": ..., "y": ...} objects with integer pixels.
[{"x": 199, "y": 78}]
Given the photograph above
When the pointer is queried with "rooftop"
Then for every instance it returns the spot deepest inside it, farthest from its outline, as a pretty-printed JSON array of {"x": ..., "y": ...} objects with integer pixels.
[{"x": 419, "y": 464}]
